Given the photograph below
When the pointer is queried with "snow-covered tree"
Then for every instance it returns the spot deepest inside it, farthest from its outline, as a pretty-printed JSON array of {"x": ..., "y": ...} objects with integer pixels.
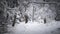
[{"x": 41, "y": 11}]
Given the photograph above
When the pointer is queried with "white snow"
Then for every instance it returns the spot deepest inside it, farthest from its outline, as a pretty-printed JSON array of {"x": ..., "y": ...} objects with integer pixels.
[{"x": 33, "y": 28}]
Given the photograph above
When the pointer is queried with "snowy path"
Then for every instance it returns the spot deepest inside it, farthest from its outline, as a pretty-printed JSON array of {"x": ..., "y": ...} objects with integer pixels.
[{"x": 34, "y": 28}]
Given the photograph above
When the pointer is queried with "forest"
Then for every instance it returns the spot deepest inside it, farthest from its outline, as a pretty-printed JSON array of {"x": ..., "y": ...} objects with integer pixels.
[{"x": 27, "y": 11}]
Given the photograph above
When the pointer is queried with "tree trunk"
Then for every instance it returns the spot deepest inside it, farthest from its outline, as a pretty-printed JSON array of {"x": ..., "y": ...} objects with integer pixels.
[{"x": 14, "y": 21}]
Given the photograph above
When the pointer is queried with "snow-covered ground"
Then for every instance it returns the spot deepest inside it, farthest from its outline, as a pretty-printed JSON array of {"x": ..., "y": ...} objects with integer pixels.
[{"x": 35, "y": 28}]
